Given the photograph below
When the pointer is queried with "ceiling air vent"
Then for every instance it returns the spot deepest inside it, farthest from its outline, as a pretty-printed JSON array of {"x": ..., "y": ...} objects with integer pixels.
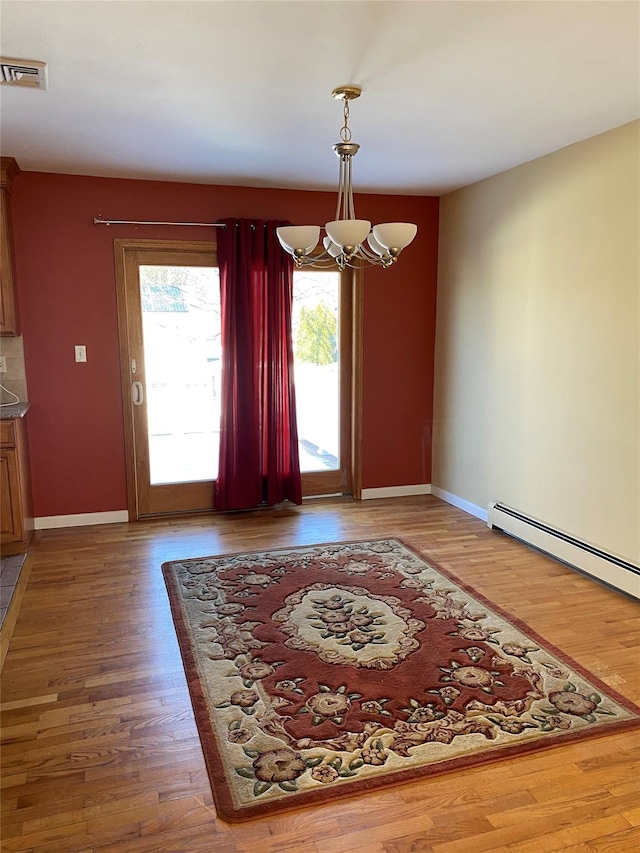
[{"x": 23, "y": 72}]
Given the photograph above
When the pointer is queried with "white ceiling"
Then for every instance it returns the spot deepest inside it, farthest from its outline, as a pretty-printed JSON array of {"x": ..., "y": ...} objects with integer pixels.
[{"x": 238, "y": 92}]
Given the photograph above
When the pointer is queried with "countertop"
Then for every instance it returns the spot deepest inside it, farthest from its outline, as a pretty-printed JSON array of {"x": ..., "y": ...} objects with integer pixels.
[{"x": 15, "y": 410}]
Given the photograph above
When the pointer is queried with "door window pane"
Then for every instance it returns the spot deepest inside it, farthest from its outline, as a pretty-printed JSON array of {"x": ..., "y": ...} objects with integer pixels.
[
  {"x": 315, "y": 322},
  {"x": 181, "y": 333}
]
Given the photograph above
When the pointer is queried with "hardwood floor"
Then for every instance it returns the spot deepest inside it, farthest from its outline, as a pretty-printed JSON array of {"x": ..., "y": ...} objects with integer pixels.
[{"x": 100, "y": 751}]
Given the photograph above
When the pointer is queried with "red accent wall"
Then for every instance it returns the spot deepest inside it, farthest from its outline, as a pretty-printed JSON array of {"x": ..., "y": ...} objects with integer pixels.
[{"x": 67, "y": 296}]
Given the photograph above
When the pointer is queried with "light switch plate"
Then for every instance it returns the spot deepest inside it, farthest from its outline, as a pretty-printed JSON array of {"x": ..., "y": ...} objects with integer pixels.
[
  {"x": 81, "y": 352},
  {"x": 3, "y": 364}
]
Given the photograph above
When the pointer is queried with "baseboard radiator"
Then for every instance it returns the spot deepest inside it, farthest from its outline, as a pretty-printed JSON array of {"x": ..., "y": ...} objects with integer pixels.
[{"x": 608, "y": 568}]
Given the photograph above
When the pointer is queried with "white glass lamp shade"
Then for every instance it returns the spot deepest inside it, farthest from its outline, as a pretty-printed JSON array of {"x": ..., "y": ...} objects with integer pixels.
[
  {"x": 348, "y": 232},
  {"x": 377, "y": 248},
  {"x": 394, "y": 235},
  {"x": 331, "y": 247},
  {"x": 301, "y": 237}
]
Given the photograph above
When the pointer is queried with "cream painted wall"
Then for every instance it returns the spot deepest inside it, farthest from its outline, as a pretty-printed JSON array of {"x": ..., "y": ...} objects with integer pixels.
[{"x": 537, "y": 370}]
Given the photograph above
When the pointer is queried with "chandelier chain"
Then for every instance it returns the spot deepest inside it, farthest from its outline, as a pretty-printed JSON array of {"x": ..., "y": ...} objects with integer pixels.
[{"x": 345, "y": 132}]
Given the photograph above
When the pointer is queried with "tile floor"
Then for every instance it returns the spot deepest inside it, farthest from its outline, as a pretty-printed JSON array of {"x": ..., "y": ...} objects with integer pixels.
[{"x": 9, "y": 574}]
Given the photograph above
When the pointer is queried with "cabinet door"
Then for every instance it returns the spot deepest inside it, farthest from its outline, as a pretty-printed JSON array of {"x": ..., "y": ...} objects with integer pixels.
[
  {"x": 8, "y": 304},
  {"x": 11, "y": 528}
]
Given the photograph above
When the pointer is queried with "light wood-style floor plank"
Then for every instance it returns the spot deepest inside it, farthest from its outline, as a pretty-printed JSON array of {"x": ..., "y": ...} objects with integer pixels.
[{"x": 101, "y": 754}]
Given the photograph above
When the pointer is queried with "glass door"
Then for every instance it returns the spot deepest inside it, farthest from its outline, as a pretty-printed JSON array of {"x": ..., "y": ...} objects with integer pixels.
[
  {"x": 321, "y": 327},
  {"x": 171, "y": 377}
]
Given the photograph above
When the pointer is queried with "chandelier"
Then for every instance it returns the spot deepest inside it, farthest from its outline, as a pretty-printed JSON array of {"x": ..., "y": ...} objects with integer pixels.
[{"x": 344, "y": 243}]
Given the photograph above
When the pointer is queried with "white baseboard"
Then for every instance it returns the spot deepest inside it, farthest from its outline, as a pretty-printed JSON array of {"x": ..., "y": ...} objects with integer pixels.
[
  {"x": 396, "y": 491},
  {"x": 460, "y": 503},
  {"x": 48, "y": 522}
]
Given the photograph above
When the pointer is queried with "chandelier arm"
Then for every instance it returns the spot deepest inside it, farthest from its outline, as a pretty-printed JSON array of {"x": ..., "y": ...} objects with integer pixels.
[
  {"x": 351, "y": 207},
  {"x": 340, "y": 189},
  {"x": 369, "y": 255},
  {"x": 321, "y": 261},
  {"x": 364, "y": 262},
  {"x": 322, "y": 256},
  {"x": 315, "y": 264},
  {"x": 374, "y": 259}
]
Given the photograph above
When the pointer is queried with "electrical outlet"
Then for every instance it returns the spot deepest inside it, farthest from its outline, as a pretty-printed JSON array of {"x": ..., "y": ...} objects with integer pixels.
[{"x": 3, "y": 364}]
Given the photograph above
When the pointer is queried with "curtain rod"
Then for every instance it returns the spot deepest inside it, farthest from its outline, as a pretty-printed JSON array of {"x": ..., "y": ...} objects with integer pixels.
[{"x": 98, "y": 220}]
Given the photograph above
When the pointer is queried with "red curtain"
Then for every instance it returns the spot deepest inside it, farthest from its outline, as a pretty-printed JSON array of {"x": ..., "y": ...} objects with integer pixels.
[{"x": 258, "y": 432}]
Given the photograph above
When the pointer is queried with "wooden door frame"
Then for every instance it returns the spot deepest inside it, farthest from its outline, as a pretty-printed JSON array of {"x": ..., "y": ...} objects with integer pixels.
[
  {"x": 357, "y": 350},
  {"x": 354, "y": 279},
  {"x": 123, "y": 250},
  {"x": 343, "y": 481}
]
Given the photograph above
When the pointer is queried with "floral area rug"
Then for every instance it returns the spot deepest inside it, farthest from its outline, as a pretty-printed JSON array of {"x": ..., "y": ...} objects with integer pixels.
[{"x": 327, "y": 670}]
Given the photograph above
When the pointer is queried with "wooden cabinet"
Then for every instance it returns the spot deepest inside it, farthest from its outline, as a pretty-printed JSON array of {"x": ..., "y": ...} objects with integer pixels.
[
  {"x": 8, "y": 301},
  {"x": 16, "y": 516}
]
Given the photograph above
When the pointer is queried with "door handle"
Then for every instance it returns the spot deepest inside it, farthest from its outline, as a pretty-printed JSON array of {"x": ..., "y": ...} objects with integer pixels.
[{"x": 137, "y": 394}]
